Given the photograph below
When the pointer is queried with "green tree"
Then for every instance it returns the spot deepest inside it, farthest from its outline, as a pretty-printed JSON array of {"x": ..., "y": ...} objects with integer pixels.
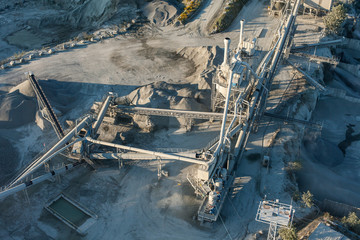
[
  {"x": 288, "y": 233},
  {"x": 352, "y": 222},
  {"x": 308, "y": 199},
  {"x": 334, "y": 19}
]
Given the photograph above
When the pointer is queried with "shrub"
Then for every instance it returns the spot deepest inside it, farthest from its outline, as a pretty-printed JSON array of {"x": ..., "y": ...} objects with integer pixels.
[
  {"x": 227, "y": 17},
  {"x": 307, "y": 199},
  {"x": 327, "y": 216},
  {"x": 352, "y": 222},
  {"x": 334, "y": 19},
  {"x": 88, "y": 37},
  {"x": 19, "y": 55},
  {"x": 288, "y": 233},
  {"x": 189, "y": 9},
  {"x": 295, "y": 166}
]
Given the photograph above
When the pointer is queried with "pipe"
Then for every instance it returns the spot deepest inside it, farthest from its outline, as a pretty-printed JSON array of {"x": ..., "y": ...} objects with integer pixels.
[
  {"x": 241, "y": 34},
  {"x": 159, "y": 154},
  {"x": 101, "y": 114},
  {"x": 234, "y": 118},
  {"x": 226, "y": 51},
  {"x": 225, "y": 137},
  {"x": 217, "y": 152},
  {"x": 22, "y": 186},
  {"x": 51, "y": 153},
  {"x": 133, "y": 156},
  {"x": 222, "y": 131}
]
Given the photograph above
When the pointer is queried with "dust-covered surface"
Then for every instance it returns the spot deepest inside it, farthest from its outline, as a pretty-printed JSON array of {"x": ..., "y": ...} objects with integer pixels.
[
  {"x": 165, "y": 66},
  {"x": 31, "y": 24},
  {"x": 161, "y": 13},
  {"x": 331, "y": 157}
]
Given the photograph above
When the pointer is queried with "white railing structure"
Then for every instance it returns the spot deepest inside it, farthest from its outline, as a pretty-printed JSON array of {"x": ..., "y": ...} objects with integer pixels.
[{"x": 275, "y": 214}]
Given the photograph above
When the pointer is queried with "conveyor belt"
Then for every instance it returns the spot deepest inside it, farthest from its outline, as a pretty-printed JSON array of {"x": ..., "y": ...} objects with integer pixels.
[
  {"x": 320, "y": 44},
  {"x": 170, "y": 112},
  {"x": 45, "y": 103},
  {"x": 317, "y": 58}
]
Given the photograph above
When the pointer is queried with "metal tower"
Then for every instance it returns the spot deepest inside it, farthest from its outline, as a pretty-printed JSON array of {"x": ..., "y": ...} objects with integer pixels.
[{"x": 275, "y": 214}]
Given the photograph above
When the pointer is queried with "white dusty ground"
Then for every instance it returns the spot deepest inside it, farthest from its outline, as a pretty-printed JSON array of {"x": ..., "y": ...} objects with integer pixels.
[{"x": 131, "y": 203}]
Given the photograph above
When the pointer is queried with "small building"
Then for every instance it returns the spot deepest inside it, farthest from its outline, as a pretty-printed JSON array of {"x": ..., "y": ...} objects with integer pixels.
[{"x": 317, "y": 6}]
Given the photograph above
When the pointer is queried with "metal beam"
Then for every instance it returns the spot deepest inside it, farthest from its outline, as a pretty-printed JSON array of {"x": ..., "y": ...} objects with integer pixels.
[
  {"x": 322, "y": 44},
  {"x": 101, "y": 114},
  {"x": 316, "y": 58},
  {"x": 308, "y": 77},
  {"x": 133, "y": 156},
  {"x": 52, "y": 151},
  {"x": 159, "y": 154},
  {"x": 22, "y": 186},
  {"x": 46, "y": 104}
]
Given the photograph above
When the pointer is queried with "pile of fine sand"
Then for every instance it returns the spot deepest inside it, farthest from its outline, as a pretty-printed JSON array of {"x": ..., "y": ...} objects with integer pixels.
[
  {"x": 16, "y": 109},
  {"x": 167, "y": 96},
  {"x": 205, "y": 59},
  {"x": 160, "y": 13},
  {"x": 195, "y": 96},
  {"x": 164, "y": 95},
  {"x": 24, "y": 88}
]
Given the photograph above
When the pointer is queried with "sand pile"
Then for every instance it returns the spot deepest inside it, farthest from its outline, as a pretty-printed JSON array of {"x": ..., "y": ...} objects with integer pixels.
[
  {"x": 195, "y": 96},
  {"x": 16, "y": 109},
  {"x": 203, "y": 57},
  {"x": 24, "y": 88},
  {"x": 206, "y": 59},
  {"x": 167, "y": 96},
  {"x": 164, "y": 95},
  {"x": 160, "y": 13}
]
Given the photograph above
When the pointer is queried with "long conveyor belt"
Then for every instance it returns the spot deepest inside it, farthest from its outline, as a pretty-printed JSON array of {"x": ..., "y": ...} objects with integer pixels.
[{"x": 46, "y": 104}]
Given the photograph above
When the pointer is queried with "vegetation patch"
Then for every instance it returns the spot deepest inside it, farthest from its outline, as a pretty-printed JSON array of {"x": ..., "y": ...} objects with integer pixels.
[
  {"x": 87, "y": 36},
  {"x": 19, "y": 55},
  {"x": 352, "y": 222},
  {"x": 230, "y": 12},
  {"x": 334, "y": 20},
  {"x": 307, "y": 199},
  {"x": 288, "y": 233},
  {"x": 294, "y": 166},
  {"x": 189, "y": 10}
]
